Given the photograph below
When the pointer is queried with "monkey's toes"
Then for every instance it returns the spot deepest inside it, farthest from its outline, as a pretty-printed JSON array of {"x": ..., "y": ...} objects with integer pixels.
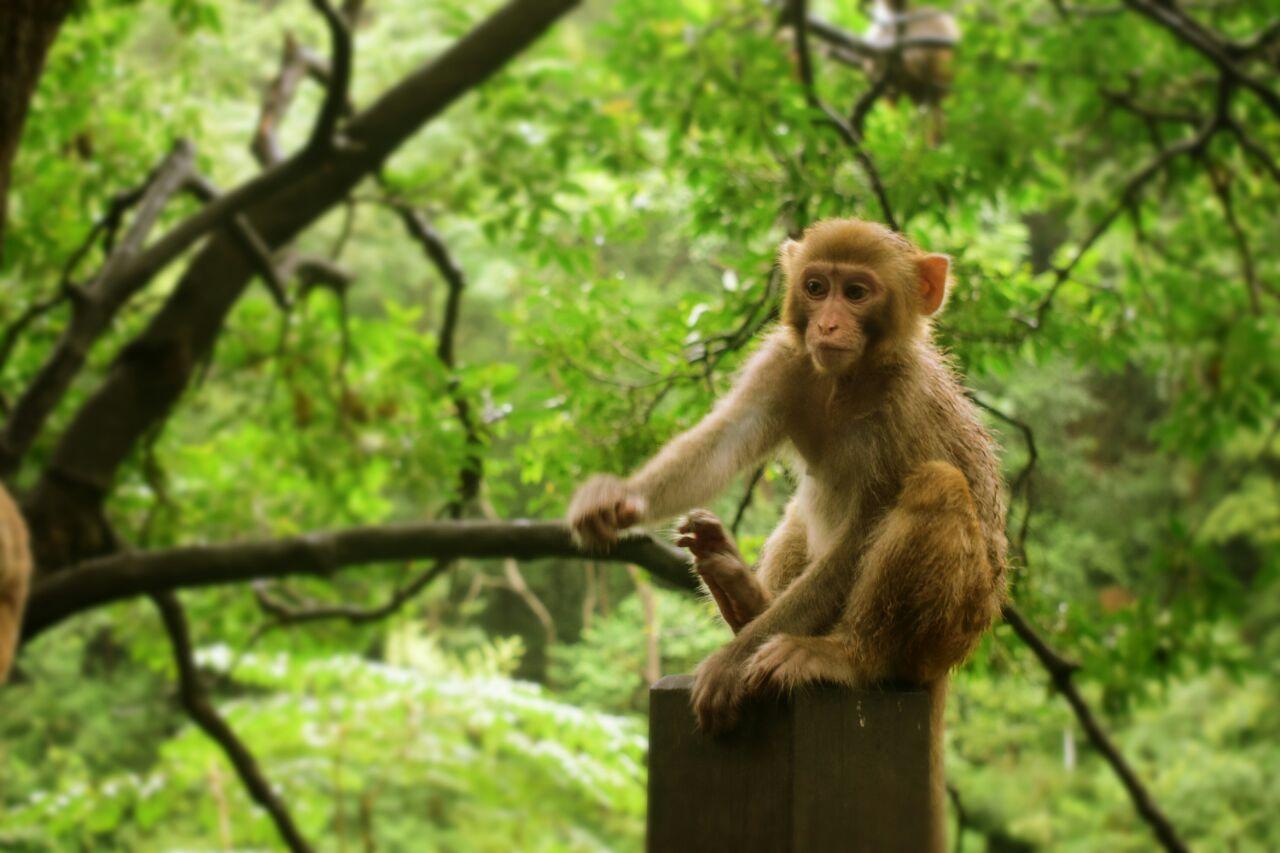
[{"x": 704, "y": 535}]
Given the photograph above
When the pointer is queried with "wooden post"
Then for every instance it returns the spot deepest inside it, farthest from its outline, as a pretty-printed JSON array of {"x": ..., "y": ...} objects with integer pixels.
[{"x": 830, "y": 770}]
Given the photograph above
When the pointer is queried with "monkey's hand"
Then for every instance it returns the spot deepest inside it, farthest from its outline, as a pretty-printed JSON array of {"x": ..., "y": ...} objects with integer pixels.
[
  {"x": 603, "y": 506},
  {"x": 716, "y": 559},
  {"x": 718, "y": 690}
]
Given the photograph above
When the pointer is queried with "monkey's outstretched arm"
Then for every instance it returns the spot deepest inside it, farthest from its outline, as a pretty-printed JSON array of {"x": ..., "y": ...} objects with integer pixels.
[
  {"x": 745, "y": 425},
  {"x": 695, "y": 466}
]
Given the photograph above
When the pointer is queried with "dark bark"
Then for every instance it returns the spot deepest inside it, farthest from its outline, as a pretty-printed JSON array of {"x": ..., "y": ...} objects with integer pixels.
[
  {"x": 153, "y": 371},
  {"x": 195, "y": 701},
  {"x": 27, "y": 29},
  {"x": 129, "y": 574}
]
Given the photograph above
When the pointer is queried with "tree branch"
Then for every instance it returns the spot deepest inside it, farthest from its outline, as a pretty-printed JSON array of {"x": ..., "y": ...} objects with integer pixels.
[
  {"x": 314, "y": 611},
  {"x": 1210, "y": 45},
  {"x": 325, "y": 133},
  {"x": 100, "y": 581},
  {"x": 249, "y": 239},
  {"x": 798, "y": 16},
  {"x": 197, "y": 704},
  {"x": 155, "y": 369},
  {"x": 1194, "y": 144},
  {"x": 296, "y": 63},
  {"x": 101, "y": 299},
  {"x": 1060, "y": 673}
]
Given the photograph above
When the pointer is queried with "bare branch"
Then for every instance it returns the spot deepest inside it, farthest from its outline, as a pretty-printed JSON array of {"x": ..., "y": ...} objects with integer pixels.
[
  {"x": 197, "y": 704},
  {"x": 296, "y": 64},
  {"x": 249, "y": 239},
  {"x": 102, "y": 298},
  {"x": 314, "y": 611},
  {"x": 325, "y": 133},
  {"x": 124, "y": 575},
  {"x": 456, "y": 282}
]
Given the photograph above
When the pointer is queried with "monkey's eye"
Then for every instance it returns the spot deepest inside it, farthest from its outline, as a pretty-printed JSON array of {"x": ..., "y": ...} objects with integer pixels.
[
  {"x": 815, "y": 287},
  {"x": 855, "y": 291}
]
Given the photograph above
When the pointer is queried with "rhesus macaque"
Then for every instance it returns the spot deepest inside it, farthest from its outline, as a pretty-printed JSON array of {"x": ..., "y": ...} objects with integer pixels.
[
  {"x": 15, "y": 574},
  {"x": 889, "y": 562},
  {"x": 923, "y": 74}
]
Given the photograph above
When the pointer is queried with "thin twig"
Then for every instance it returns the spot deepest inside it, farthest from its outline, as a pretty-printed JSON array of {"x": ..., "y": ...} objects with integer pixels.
[{"x": 1061, "y": 671}]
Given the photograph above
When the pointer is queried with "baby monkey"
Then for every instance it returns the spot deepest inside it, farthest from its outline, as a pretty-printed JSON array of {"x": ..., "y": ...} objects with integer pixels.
[{"x": 889, "y": 562}]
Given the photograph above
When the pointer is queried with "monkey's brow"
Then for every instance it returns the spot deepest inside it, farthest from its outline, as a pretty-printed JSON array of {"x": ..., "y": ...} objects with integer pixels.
[{"x": 839, "y": 268}]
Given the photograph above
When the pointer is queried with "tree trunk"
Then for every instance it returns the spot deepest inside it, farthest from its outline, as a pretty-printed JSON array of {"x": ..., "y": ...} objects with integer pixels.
[{"x": 27, "y": 28}]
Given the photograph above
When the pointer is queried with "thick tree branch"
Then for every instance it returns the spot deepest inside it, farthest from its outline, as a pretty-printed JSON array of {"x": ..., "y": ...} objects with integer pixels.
[
  {"x": 1060, "y": 672},
  {"x": 101, "y": 299},
  {"x": 197, "y": 705},
  {"x": 154, "y": 370},
  {"x": 103, "y": 580}
]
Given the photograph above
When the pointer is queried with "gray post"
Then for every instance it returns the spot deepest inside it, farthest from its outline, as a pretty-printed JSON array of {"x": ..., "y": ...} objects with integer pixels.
[{"x": 830, "y": 770}]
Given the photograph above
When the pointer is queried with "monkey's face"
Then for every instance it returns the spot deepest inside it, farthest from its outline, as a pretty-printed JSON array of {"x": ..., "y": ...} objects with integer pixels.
[
  {"x": 840, "y": 308},
  {"x": 857, "y": 291}
]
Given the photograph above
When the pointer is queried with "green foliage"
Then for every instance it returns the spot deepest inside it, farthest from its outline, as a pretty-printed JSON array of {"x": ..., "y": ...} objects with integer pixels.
[
  {"x": 615, "y": 198},
  {"x": 423, "y": 751}
]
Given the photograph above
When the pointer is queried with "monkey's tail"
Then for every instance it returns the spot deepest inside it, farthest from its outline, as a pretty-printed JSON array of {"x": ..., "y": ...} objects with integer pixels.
[{"x": 937, "y": 776}]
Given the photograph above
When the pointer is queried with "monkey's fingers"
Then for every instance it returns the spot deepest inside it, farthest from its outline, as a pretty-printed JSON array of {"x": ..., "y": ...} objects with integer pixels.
[
  {"x": 694, "y": 545},
  {"x": 627, "y": 513}
]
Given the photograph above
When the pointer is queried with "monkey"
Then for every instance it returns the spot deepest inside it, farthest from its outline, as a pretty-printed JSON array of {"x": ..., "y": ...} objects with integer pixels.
[
  {"x": 15, "y": 575},
  {"x": 923, "y": 74},
  {"x": 889, "y": 561}
]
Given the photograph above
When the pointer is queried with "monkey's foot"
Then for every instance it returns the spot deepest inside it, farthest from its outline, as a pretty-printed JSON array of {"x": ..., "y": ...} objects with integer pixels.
[
  {"x": 705, "y": 535},
  {"x": 718, "y": 692},
  {"x": 728, "y": 578},
  {"x": 785, "y": 662}
]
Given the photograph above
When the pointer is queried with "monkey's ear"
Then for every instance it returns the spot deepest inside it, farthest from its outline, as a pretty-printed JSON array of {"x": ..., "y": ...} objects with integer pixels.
[
  {"x": 933, "y": 282},
  {"x": 787, "y": 249}
]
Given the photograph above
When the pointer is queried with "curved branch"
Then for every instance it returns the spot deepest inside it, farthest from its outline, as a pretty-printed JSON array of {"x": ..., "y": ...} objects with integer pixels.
[
  {"x": 125, "y": 575},
  {"x": 325, "y": 133},
  {"x": 799, "y": 18},
  {"x": 201, "y": 710}
]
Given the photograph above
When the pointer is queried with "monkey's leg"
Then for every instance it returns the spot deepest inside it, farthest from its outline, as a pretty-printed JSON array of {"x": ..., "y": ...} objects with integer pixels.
[
  {"x": 924, "y": 594},
  {"x": 735, "y": 589},
  {"x": 785, "y": 553}
]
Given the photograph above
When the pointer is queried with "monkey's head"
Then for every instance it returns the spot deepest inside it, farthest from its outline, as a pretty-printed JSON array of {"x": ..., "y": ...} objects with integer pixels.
[{"x": 856, "y": 292}]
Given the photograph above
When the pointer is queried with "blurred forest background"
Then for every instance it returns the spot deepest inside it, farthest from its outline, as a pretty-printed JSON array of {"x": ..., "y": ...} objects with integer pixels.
[{"x": 271, "y": 269}]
